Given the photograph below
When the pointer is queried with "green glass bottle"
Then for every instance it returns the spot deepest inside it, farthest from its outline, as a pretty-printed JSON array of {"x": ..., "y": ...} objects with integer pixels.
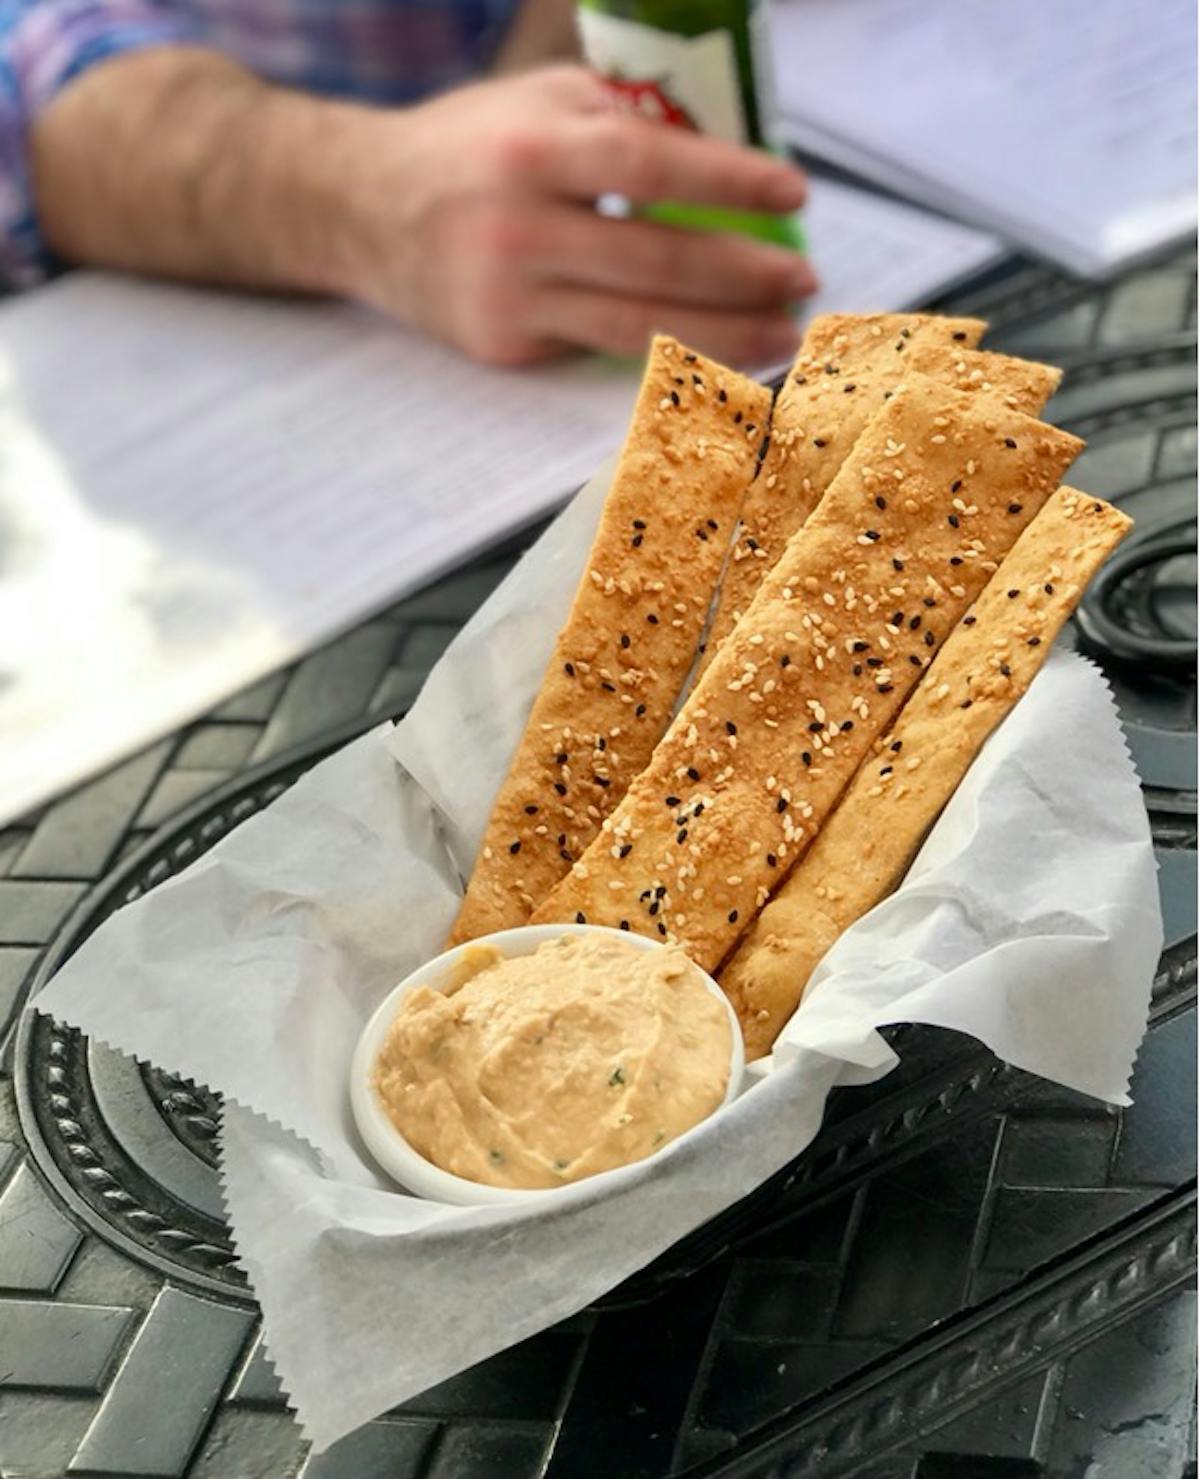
[{"x": 699, "y": 64}]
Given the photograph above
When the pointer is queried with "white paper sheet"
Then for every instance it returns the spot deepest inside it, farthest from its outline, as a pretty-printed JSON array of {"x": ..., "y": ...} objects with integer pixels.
[
  {"x": 196, "y": 487},
  {"x": 1069, "y": 128},
  {"x": 255, "y": 970}
]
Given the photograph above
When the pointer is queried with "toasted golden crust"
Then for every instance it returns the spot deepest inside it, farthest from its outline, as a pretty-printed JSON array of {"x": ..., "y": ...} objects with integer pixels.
[
  {"x": 822, "y": 408},
  {"x": 1022, "y": 384},
  {"x": 867, "y": 845},
  {"x": 930, "y": 499},
  {"x": 630, "y": 638}
]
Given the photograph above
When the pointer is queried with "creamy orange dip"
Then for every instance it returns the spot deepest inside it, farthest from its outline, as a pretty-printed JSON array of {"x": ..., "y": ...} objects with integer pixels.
[{"x": 539, "y": 1069}]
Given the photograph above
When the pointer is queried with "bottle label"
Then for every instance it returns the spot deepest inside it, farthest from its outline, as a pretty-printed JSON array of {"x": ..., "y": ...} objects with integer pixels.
[{"x": 687, "y": 81}]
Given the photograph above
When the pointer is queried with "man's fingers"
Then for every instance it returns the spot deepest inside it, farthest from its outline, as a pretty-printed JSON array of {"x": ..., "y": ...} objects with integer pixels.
[
  {"x": 607, "y": 153},
  {"x": 623, "y": 325},
  {"x": 640, "y": 258}
]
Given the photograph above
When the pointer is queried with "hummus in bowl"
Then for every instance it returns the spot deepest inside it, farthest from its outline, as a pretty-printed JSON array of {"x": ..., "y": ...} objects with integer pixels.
[{"x": 534, "y": 1059}]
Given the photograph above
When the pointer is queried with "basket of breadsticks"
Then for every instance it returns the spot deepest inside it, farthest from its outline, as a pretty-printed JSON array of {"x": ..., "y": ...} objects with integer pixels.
[{"x": 766, "y": 744}]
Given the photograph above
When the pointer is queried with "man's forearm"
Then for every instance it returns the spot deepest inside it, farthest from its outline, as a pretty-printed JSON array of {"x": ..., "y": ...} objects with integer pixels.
[{"x": 177, "y": 161}]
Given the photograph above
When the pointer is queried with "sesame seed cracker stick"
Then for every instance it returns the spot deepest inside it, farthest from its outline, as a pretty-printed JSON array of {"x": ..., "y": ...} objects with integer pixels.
[
  {"x": 835, "y": 386},
  {"x": 630, "y": 638},
  {"x": 868, "y": 844},
  {"x": 932, "y": 497}
]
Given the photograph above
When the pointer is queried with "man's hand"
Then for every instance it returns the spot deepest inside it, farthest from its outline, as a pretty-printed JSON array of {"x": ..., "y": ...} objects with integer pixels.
[{"x": 474, "y": 216}]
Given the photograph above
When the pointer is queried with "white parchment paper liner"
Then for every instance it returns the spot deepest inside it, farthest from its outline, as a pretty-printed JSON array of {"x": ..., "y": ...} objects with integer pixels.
[{"x": 1030, "y": 920}]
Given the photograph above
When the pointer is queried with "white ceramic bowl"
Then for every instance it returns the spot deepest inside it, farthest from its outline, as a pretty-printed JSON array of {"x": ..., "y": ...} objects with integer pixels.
[{"x": 389, "y": 1147}]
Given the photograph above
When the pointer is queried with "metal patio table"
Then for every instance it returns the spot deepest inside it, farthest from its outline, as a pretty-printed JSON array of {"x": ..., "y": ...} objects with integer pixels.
[{"x": 972, "y": 1274}]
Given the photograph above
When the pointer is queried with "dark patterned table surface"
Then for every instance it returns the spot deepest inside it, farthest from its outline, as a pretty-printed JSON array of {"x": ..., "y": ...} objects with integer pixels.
[{"x": 971, "y": 1275}]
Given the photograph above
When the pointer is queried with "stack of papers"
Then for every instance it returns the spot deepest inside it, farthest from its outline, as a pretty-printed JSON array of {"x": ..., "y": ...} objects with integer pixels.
[
  {"x": 197, "y": 487},
  {"x": 1067, "y": 127}
]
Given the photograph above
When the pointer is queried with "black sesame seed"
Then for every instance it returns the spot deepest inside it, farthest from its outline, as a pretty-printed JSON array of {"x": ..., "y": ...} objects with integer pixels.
[
  {"x": 674, "y": 397},
  {"x": 640, "y": 710},
  {"x": 569, "y": 669},
  {"x": 861, "y": 646},
  {"x": 846, "y": 389},
  {"x": 1096, "y": 507},
  {"x": 772, "y": 860},
  {"x": 608, "y": 687},
  {"x": 966, "y": 703},
  {"x": 857, "y": 670},
  {"x": 662, "y": 929},
  {"x": 1012, "y": 595},
  {"x": 652, "y": 619},
  {"x": 914, "y": 659},
  {"x": 515, "y": 846},
  {"x": 906, "y": 333},
  {"x": 751, "y": 543},
  {"x": 565, "y": 855},
  {"x": 874, "y": 662},
  {"x": 636, "y": 542},
  {"x": 960, "y": 336},
  {"x": 1006, "y": 670},
  {"x": 693, "y": 773},
  {"x": 653, "y": 910},
  {"x": 785, "y": 661},
  {"x": 702, "y": 534},
  {"x": 737, "y": 418},
  {"x": 660, "y": 891},
  {"x": 896, "y": 746},
  {"x": 601, "y": 742},
  {"x": 562, "y": 839},
  {"x": 781, "y": 806},
  {"x": 722, "y": 397},
  {"x": 689, "y": 359},
  {"x": 928, "y": 601},
  {"x": 624, "y": 924},
  {"x": 953, "y": 521},
  {"x": 733, "y": 916},
  {"x": 800, "y": 379},
  {"x": 886, "y": 770},
  {"x": 678, "y": 379},
  {"x": 560, "y": 788},
  {"x": 561, "y": 758},
  {"x": 881, "y": 502},
  {"x": 847, "y": 725},
  {"x": 815, "y": 727},
  {"x": 1014, "y": 508},
  {"x": 1048, "y": 588},
  {"x": 806, "y": 757},
  {"x": 581, "y": 918},
  {"x": 713, "y": 525},
  {"x": 929, "y": 639},
  {"x": 1034, "y": 642},
  {"x": 897, "y": 618},
  {"x": 602, "y": 781},
  {"x": 639, "y": 523},
  {"x": 831, "y": 369},
  {"x": 956, "y": 559},
  {"x": 625, "y": 639},
  {"x": 749, "y": 425},
  {"x": 969, "y": 621},
  {"x": 696, "y": 380},
  {"x": 871, "y": 534},
  {"x": 914, "y": 622},
  {"x": 956, "y": 485},
  {"x": 698, "y": 809},
  {"x": 897, "y": 564},
  {"x": 883, "y": 688},
  {"x": 531, "y": 810},
  {"x": 1009, "y": 442},
  {"x": 626, "y": 850},
  {"x": 818, "y": 441},
  {"x": 730, "y": 727},
  {"x": 672, "y": 800}
]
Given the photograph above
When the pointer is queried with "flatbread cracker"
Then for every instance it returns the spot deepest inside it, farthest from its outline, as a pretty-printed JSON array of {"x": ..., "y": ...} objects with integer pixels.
[
  {"x": 868, "y": 844},
  {"x": 931, "y": 498},
  {"x": 620, "y": 661},
  {"x": 819, "y": 413}
]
